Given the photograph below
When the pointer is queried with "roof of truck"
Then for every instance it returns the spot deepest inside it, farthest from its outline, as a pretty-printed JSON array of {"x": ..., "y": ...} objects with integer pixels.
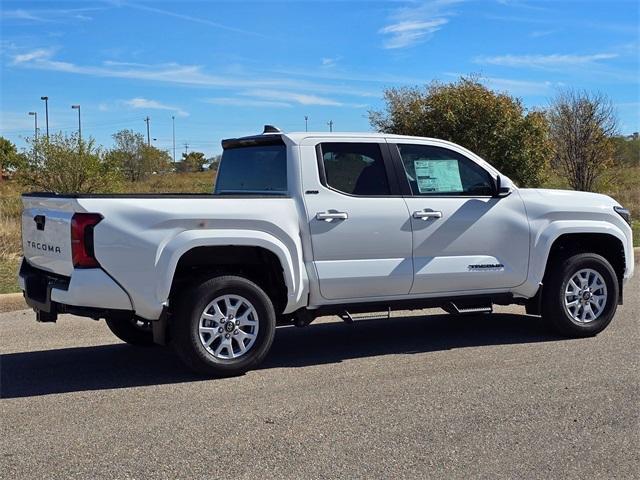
[{"x": 299, "y": 136}]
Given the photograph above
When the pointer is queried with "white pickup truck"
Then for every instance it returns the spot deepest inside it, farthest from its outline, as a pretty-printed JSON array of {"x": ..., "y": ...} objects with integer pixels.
[{"x": 307, "y": 224}]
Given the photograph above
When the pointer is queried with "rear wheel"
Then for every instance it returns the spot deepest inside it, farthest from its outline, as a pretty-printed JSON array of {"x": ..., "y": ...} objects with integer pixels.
[
  {"x": 580, "y": 297},
  {"x": 223, "y": 326},
  {"x": 132, "y": 331}
]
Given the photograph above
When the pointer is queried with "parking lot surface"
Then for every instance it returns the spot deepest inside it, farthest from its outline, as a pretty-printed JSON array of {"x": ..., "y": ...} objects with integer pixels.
[{"x": 421, "y": 395}]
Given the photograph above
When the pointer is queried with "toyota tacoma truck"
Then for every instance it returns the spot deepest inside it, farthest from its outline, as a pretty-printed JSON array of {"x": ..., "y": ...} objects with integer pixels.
[{"x": 300, "y": 225}]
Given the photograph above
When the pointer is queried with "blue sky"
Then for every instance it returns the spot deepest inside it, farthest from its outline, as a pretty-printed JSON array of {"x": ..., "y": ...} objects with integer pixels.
[{"x": 224, "y": 69}]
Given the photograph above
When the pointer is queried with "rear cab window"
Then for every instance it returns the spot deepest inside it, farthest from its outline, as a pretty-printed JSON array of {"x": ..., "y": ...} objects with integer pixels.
[{"x": 259, "y": 169}]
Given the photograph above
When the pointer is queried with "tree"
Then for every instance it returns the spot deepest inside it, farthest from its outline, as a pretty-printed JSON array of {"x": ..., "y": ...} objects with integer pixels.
[
  {"x": 582, "y": 126},
  {"x": 66, "y": 164},
  {"x": 214, "y": 162},
  {"x": 10, "y": 159},
  {"x": 490, "y": 124},
  {"x": 155, "y": 160},
  {"x": 627, "y": 150},
  {"x": 135, "y": 158},
  {"x": 191, "y": 162}
]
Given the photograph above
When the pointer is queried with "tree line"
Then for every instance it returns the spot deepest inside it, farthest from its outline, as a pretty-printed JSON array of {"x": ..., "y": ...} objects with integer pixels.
[
  {"x": 68, "y": 163},
  {"x": 575, "y": 135}
]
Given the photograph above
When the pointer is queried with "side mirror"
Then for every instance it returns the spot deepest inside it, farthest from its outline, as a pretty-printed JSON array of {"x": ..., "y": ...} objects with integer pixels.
[{"x": 500, "y": 190}]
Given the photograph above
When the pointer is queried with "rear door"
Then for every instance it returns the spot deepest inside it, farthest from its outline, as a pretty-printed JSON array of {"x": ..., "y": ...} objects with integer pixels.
[
  {"x": 359, "y": 222},
  {"x": 464, "y": 238}
]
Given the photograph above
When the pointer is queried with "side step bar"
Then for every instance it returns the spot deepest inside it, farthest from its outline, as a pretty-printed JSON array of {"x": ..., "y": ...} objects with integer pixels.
[
  {"x": 348, "y": 318},
  {"x": 461, "y": 309}
]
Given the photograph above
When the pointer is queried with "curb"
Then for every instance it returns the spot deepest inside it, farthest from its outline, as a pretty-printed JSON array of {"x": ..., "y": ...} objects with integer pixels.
[{"x": 11, "y": 302}]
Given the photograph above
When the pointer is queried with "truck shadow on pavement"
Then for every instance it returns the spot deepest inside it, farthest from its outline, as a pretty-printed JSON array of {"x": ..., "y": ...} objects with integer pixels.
[{"x": 113, "y": 366}]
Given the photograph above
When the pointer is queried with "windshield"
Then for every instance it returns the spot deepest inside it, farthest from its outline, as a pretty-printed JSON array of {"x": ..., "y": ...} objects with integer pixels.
[{"x": 260, "y": 169}]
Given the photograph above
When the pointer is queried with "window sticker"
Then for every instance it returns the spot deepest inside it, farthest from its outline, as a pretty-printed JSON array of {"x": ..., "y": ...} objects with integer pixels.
[{"x": 435, "y": 176}]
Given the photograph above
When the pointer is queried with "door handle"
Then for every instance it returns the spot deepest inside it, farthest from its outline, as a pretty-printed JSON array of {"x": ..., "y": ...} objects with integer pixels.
[
  {"x": 330, "y": 216},
  {"x": 426, "y": 214}
]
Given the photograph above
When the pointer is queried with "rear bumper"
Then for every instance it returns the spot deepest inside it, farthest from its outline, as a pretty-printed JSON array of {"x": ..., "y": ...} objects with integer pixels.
[{"x": 89, "y": 293}]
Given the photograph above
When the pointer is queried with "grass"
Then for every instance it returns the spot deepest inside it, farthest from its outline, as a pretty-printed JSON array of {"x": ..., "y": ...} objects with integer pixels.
[{"x": 623, "y": 184}]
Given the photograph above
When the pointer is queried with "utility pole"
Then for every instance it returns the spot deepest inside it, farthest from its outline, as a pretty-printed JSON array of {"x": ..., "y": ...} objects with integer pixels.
[
  {"x": 306, "y": 123},
  {"x": 77, "y": 107},
  {"x": 330, "y": 123},
  {"x": 173, "y": 121},
  {"x": 148, "y": 133},
  {"x": 46, "y": 113},
  {"x": 186, "y": 148}
]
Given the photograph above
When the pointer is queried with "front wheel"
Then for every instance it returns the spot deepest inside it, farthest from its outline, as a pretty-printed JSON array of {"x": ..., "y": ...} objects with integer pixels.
[
  {"x": 581, "y": 295},
  {"x": 223, "y": 326}
]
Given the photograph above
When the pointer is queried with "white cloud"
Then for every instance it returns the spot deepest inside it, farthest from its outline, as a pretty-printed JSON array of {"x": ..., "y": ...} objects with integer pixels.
[
  {"x": 246, "y": 102},
  {"x": 47, "y": 15},
  {"x": 513, "y": 86},
  {"x": 39, "y": 54},
  {"x": 177, "y": 74},
  {"x": 189, "y": 18},
  {"x": 14, "y": 122},
  {"x": 330, "y": 61},
  {"x": 544, "y": 61},
  {"x": 542, "y": 33},
  {"x": 520, "y": 87},
  {"x": 300, "y": 98},
  {"x": 413, "y": 25},
  {"x": 144, "y": 103}
]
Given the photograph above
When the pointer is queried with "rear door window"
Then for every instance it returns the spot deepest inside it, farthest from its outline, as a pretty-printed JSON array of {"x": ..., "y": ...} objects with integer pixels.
[{"x": 355, "y": 168}]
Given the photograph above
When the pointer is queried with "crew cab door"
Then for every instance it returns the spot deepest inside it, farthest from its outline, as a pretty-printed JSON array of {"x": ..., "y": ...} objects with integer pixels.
[
  {"x": 464, "y": 238},
  {"x": 359, "y": 222}
]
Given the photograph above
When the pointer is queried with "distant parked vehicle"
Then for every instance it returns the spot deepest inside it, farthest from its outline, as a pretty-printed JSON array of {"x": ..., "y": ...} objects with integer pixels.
[{"x": 306, "y": 224}]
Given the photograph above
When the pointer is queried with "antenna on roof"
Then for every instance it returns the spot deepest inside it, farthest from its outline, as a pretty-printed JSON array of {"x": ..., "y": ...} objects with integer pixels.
[{"x": 271, "y": 129}]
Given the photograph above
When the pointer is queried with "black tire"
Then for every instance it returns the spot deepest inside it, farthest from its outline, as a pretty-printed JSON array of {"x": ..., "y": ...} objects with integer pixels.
[
  {"x": 186, "y": 322},
  {"x": 130, "y": 331},
  {"x": 553, "y": 295}
]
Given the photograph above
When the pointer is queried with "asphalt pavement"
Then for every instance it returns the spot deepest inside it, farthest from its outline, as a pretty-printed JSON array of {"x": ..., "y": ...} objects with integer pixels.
[{"x": 422, "y": 395}]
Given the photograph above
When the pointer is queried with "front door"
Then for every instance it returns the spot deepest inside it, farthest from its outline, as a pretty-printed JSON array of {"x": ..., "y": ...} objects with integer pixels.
[
  {"x": 464, "y": 238},
  {"x": 360, "y": 226}
]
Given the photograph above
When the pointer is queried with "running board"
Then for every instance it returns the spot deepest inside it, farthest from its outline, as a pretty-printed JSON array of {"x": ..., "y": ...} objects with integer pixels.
[
  {"x": 348, "y": 318},
  {"x": 467, "y": 309}
]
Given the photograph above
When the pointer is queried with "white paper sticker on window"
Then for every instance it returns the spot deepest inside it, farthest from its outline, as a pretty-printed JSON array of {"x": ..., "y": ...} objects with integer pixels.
[{"x": 435, "y": 176}]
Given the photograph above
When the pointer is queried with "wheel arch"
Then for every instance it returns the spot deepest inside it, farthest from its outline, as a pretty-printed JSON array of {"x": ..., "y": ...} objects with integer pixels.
[
  {"x": 560, "y": 234},
  {"x": 606, "y": 245},
  {"x": 198, "y": 252}
]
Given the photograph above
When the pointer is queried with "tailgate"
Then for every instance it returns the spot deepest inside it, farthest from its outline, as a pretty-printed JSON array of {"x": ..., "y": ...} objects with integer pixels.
[{"x": 46, "y": 232}]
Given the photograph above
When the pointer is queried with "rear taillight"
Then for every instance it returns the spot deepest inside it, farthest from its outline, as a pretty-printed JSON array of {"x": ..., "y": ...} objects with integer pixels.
[{"x": 82, "y": 239}]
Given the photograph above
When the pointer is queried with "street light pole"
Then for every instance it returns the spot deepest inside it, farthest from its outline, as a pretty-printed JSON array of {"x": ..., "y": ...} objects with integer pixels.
[
  {"x": 35, "y": 134},
  {"x": 330, "y": 123},
  {"x": 46, "y": 113},
  {"x": 173, "y": 121},
  {"x": 35, "y": 128},
  {"x": 306, "y": 123},
  {"x": 77, "y": 107}
]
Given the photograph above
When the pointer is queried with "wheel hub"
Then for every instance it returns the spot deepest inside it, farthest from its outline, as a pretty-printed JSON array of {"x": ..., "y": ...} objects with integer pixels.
[
  {"x": 585, "y": 296},
  {"x": 228, "y": 327}
]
